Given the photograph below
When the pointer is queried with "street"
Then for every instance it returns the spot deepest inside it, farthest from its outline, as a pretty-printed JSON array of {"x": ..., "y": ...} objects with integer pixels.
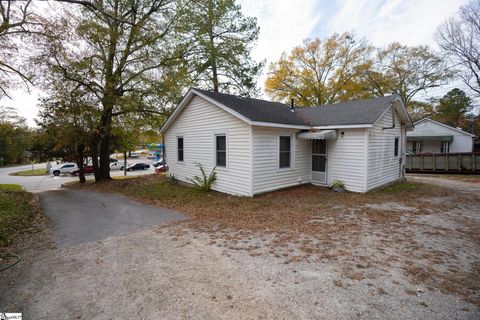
[{"x": 49, "y": 182}]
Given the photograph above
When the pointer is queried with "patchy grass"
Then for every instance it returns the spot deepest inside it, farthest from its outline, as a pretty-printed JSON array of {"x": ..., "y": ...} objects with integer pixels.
[
  {"x": 400, "y": 187},
  {"x": 471, "y": 178},
  {"x": 289, "y": 208},
  {"x": 17, "y": 210},
  {"x": 34, "y": 172}
]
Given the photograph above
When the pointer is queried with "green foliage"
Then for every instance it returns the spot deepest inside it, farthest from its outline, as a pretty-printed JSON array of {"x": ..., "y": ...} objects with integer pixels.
[
  {"x": 453, "y": 109},
  {"x": 15, "y": 137},
  {"x": 338, "y": 184},
  {"x": 203, "y": 182},
  {"x": 16, "y": 212},
  {"x": 222, "y": 39}
]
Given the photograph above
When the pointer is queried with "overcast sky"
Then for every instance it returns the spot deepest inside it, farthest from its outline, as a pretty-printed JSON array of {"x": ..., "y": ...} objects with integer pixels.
[{"x": 285, "y": 23}]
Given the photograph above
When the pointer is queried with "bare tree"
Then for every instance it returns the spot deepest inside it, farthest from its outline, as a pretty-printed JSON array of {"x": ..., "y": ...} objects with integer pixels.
[{"x": 460, "y": 39}]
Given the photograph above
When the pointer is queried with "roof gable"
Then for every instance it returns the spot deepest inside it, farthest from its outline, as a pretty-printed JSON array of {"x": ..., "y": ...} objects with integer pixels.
[{"x": 441, "y": 125}]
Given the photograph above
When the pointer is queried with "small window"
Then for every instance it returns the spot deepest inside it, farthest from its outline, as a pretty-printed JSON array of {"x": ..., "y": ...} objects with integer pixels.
[
  {"x": 417, "y": 147},
  {"x": 445, "y": 147},
  {"x": 395, "y": 151},
  {"x": 220, "y": 150},
  {"x": 180, "y": 149},
  {"x": 285, "y": 143}
]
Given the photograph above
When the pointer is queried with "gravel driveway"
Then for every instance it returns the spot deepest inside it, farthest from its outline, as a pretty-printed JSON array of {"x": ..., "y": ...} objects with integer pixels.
[{"x": 174, "y": 271}]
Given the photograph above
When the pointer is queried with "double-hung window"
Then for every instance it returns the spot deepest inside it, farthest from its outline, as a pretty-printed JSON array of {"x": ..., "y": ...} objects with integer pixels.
[
  {"x": 220, "y": 150},
  {"x": 285, "y": 152},
  {"x": 180, "y": 149}
]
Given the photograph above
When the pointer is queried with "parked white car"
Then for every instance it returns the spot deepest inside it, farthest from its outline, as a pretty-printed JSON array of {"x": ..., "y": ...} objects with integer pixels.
[
  {"x": 63, "y": 168},
  {"x": 116, "y": 165}
]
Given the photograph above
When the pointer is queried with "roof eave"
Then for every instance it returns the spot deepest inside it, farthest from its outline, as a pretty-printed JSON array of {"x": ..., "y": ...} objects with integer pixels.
[
  {"x": 188, "y": 96},
  {"x": 344, "y": 126},
  {"x": 279, "y": 125}
]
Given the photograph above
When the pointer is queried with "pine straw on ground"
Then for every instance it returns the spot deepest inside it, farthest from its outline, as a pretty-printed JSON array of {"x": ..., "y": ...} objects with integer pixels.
[{"x": 428, "y": 233}]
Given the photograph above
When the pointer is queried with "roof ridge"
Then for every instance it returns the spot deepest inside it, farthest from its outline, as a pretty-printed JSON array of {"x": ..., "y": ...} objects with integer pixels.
[
  {"x": 240, "y": 97},
  {"x": 393, "y": 95}
]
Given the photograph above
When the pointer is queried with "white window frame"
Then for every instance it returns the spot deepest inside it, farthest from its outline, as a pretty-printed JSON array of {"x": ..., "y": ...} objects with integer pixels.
[
  {"x": 442, "y": 147},
  {"x": 417, "y": 146},
  {"x": 183, "y": 149},
  {"x": 215, "y": 135},
  {"x": 396, "y": 151},
  {"x": 292, "y": 150}
]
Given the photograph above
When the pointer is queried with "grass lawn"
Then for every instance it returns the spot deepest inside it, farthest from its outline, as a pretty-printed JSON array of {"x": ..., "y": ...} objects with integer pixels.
[
  {"x": 34, "y": 172},
  {"x": 17, "y": 210}
]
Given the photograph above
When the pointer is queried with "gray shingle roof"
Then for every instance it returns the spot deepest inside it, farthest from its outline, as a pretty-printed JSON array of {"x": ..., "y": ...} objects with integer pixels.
[
  {"x": 256, "y": 109},
  {"x": 355, "y": 112},
  {"x": 365, "y": 111}
]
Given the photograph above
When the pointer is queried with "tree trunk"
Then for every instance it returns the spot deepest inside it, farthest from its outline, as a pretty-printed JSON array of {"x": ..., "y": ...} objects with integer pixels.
[
  {"x": 79, "y": 155},
  {"x": 94, "y": 151},
  {"x": 125, "y": 163},
  {"x": 105, "y": 134}
]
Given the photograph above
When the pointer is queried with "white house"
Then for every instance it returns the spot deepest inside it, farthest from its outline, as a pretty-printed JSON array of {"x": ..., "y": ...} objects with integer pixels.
[
  {"x": 258, "y": 146},
  {"x": 430, "y": 136}
]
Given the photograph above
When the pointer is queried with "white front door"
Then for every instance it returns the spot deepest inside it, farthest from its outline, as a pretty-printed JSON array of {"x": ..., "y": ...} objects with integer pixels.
[{"x": 319, "y": 161}]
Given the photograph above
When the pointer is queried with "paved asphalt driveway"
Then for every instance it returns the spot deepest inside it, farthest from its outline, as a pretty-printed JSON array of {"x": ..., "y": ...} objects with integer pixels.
[{"x": 81, "y": 216}]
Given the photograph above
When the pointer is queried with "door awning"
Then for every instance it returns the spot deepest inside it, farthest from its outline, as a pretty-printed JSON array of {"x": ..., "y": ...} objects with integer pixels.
[
  {"x": 323, "y": 135},
  {"x": 430, "y": 138}
]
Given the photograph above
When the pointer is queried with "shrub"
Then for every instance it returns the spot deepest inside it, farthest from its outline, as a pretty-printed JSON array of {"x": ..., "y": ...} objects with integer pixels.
[
  {"x": 204, "y": 183},
  {"x": 338, "y": 186}
]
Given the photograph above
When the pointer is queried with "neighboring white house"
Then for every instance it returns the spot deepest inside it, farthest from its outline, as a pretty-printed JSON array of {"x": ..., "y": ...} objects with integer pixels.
[
  {"x": 258, "y": 146},
  {"x": 430, "y": 136}
]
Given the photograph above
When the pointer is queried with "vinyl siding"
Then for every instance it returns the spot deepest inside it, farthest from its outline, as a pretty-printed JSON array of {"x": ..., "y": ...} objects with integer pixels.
[
  {"x": 266, "y": 173},
  {"x": 460, "y": 143},
  {"x": 383, "y": 165},
  {"x": 346, "y": 159},
  {"x": 198, "y": 123}
]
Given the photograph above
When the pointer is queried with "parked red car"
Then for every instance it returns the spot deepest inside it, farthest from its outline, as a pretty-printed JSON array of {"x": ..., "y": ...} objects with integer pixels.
[
  {"x": 161, "y": 168},
  {"x": 88, "y": 170}
]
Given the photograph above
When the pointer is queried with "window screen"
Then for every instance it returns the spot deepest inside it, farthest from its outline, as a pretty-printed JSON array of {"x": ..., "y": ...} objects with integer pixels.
[
  {"x": 395, "y": 151},
  {"x": 285, "y": 142},
  {"x": 180, "y": 149},
  {"x": 221, "y": 150}
]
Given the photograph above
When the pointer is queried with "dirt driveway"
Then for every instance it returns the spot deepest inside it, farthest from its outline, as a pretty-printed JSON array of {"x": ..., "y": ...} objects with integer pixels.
[{"x": 378, "y": 260}]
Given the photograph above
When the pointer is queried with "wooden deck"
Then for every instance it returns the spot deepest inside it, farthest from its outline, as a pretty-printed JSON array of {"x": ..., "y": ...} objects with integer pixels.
[{"x": 443, "y": 163}]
